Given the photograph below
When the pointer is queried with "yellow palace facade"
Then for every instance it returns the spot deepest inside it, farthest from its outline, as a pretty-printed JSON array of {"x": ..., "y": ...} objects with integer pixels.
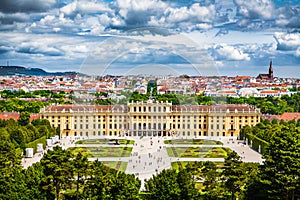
[{"x": 150, "y": 119}]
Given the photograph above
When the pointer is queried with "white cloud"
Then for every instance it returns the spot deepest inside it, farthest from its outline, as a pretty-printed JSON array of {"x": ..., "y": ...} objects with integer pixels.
[
  {"x": 186, "y": 18},
  {"x": 37, "y": 47},
  {"x": 287, "y": 41},
  {"x": 204, "y": 26},
  {"x": 255, "y": 9},
  {"x": 195, "y": 13},
  {"x": 85, "y": 7},
  {"x": 227, "y": 52},
  {"x": 104, "y": 19},
  {"x": 48, "y": 45},
  {"x": 137, "y": 13},
  {"x": 288, "y": 17},
  {"x": 148, "y": 6},
  {"x": 54, "y": 23},
  {"x": 69, "y": 9}
]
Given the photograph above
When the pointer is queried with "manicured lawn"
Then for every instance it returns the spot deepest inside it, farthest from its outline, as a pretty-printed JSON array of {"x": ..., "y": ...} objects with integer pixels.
[
  {"x": 176, "y": 165},
  {"x": 198, "y": 152},
  {"x": 170, "y": 152},
  {"x": 104, "y": 141},
  {"x": 113, "y": 165},
  {"x": 193, "y": 141},
  {"x": 103, "y": 151}
]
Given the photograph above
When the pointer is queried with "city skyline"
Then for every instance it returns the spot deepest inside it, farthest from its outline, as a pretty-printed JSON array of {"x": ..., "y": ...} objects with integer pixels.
[{"x": 151, "y": 36}]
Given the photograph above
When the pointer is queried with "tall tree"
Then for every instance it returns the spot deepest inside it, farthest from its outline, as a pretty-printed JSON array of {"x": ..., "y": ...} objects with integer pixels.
[
  {"x": 280, "y": 173},
  {"x": 172, "y": 185},
  {"x": 233, "y": 174},
  {"x": 106, "y": 183},
  {"x": 80, "y": 164},
  {"x": 211, "y": 177},
  {"x": 57, "y": 171},
  {"x": 187, "y": 185},
  {"x": 24, "y": 118},
  {"x": 33, "y": 179},
  {"x": 11, "y": 174},
  {"x": 163, "y": 186}
]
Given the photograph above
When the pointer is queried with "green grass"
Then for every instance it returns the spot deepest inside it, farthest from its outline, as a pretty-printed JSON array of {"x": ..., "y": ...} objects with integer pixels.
[
  {"x": 103, "y": 151},
  {"x": 103, "y": 141},
  {"x": 193, "y": 141},
  {"x": 178, "y": 165},
  {"x": 199, "y": 152},
  {"x": 170, "y": 152},
  {"x": 175, "y": 165},
  {"x": 113, "y": 165}
]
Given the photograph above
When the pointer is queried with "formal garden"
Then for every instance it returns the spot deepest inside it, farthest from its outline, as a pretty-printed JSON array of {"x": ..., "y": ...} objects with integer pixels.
[
  {"x": 95, "y": 152},
  {"x": 198, "y": 152},
  {"x": 105, "y": 141},
  {"x": 193, "y": 142},
  {"x": 117, "y": 165}
]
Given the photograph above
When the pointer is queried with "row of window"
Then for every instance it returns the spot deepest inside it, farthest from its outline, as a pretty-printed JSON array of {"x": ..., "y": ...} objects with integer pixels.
[
  {"x": 149, "y": 109},
  {"x": 94, "y": 133},
  {"x": 183, "y": 133},
  {"x": 100, "y": 126},
  {"x": 175, "y": 118}
]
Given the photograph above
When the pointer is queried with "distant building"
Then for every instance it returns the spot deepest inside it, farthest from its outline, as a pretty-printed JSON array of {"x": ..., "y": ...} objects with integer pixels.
[
  {"x": 16, "y": 116},
  {"x": 151, "y": 119},
  {"x": 9, "y": 115},
  {"x": 270, "y": 75},
  {"x": 247, "y": 92},
  {"x": 286, "y": 116}
]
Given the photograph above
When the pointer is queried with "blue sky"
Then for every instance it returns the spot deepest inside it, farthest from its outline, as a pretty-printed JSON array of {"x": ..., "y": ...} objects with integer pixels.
[{"x": 196, "y": 37}]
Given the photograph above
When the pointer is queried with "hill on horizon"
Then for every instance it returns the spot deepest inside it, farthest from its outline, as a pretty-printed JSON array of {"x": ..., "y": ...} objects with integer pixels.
[{"x": 23, "y": 71}]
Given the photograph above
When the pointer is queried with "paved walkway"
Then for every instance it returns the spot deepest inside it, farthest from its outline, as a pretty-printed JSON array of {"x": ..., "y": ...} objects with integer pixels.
[
  {"x": 148, "y": 157},
  {"x": 64, "y": 143},
  {"x": 244, "y": 151}
]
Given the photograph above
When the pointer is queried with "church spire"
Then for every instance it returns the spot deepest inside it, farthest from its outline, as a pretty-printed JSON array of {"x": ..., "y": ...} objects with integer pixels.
[{"x": 271, "y": 70}]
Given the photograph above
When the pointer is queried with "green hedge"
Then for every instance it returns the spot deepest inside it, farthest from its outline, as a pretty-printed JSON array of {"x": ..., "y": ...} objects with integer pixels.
[
  {"x": 256, "y": 141},
  {"x": 34, "y": 143}
]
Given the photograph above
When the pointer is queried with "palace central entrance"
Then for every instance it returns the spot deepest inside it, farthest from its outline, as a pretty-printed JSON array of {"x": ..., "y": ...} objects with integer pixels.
[{"x": 148, "y": 133}]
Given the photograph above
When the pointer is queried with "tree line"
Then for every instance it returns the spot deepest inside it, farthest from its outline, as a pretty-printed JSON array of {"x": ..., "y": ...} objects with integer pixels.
[
  {"x": 19, "y": 135},
  {"x": 279, "y": 176},
  {"x": 12, "y": 100},
  {"x": 62, "y": 175}
]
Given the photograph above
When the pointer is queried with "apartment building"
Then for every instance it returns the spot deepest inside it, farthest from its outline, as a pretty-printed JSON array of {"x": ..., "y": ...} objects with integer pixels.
[{"x": 151, "y": 118}]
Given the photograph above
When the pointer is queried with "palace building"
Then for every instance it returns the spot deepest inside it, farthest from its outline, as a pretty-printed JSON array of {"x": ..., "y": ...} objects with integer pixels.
[{"x": 151, "y": 118}]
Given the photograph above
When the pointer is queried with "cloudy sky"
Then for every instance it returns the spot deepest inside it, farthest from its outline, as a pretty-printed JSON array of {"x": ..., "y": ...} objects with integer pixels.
[{"x": 196, "y": 37}]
